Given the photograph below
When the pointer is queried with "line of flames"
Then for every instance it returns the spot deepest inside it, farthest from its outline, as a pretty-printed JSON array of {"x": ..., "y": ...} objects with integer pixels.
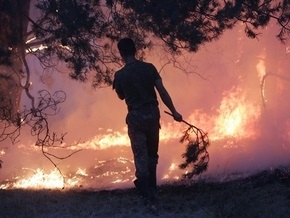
[{"x": 235, "y": 118}]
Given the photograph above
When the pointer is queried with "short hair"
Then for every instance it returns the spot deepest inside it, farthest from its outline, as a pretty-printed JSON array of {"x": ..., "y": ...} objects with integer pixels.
[{"x": 126, "y": 47}]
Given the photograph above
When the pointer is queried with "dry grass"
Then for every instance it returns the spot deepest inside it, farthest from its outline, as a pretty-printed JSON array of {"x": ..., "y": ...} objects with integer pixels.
[{"x": 266, "y": 194}]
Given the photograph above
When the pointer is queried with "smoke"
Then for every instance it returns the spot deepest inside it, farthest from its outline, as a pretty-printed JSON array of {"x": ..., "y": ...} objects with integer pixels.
[{"x": 217, "y": 89}]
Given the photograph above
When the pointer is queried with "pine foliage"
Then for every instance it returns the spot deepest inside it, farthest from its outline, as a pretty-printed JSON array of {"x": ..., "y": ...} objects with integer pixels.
[{"x": 196, "y": 156}]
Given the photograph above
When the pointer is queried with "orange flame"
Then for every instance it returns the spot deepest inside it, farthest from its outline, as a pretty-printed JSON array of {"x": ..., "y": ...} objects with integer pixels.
[
  {"x": 41, "y": 180},
  {"x": 236, "y": 118}
]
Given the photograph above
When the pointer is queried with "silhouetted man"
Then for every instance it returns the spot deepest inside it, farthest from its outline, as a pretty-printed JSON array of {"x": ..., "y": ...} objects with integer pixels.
[{"x": 135, "y": 84}]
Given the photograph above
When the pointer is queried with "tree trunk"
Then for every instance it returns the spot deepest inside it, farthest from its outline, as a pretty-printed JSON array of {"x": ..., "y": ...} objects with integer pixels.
[{"x": 14, "y": 15}]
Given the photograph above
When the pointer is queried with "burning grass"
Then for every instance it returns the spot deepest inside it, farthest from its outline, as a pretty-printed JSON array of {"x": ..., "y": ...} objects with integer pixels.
[{"x": 266, "y": 194}]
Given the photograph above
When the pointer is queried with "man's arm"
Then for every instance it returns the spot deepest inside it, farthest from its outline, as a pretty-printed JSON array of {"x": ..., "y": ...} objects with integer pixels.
[
  {"x": 117, "y": 89},
  {"x": 165, "y": 97}
]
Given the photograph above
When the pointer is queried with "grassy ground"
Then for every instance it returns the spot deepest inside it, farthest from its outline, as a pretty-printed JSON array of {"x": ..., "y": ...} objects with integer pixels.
[{"x": 266, "y": 194}]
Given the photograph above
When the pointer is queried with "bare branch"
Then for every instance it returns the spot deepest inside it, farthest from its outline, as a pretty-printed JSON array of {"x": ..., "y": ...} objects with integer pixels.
[{"x": 262, "y": 85}]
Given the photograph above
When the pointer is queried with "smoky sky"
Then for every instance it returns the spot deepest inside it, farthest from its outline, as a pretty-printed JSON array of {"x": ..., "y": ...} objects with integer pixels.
[{"x": 197, "y": 83}]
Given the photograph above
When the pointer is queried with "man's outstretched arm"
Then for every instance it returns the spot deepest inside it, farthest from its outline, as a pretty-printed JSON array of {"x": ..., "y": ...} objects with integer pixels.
[{"x": 165, "y": 97}]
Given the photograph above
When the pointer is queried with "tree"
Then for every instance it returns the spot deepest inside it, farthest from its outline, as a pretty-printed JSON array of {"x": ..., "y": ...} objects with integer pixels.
[
  {"x": 65, "y": 31},
  {"x": 188, "y": 24},
  {"x": 80, "y": 35}
]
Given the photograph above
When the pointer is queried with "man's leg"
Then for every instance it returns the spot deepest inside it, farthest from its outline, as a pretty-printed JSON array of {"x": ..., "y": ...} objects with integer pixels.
[
  {"x": 139, "y": 148},
  {"x": 152, "y": 143}
]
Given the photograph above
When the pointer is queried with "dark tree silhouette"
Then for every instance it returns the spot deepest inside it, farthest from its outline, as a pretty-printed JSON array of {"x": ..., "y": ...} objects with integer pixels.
[{"x": 188, "y": 24}]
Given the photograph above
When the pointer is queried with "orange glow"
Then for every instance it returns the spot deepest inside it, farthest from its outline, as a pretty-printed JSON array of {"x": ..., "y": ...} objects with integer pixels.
[
  {"x": 40, "y": 180},
  {"x": 287, "y": 129},
  {"x": 116, "y": 138},
  {"x": 261, "y": 68},
  {"x": 171, "y": 174},
  {"x": 2, "y": 152},
  {"x": 102, "y": 172},
  {"x": 287, "y": 50},
  {"x": 236, "y": 117},
  {"x": 232, "y": 121},
  {"x": 104, "y": 141}
]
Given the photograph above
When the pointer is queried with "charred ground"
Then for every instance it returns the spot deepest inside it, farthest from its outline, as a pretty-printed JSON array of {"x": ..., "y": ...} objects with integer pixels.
[{"x": 265, "y": 194}]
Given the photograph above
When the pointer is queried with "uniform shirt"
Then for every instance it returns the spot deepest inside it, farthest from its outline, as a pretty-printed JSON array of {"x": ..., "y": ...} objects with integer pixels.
[{"x": 135, "y": 83}]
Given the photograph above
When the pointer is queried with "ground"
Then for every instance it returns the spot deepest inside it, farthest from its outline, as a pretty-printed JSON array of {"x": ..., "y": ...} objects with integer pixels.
[{"x": 266, "y": 194}]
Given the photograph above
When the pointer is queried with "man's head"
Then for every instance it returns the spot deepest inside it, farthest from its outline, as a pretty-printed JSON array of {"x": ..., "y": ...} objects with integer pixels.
[{"x": 127, "y": 47}]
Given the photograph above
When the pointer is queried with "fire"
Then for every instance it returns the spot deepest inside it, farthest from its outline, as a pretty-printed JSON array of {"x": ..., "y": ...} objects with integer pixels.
[
  {"x": 170, "y": 131},
  {"x": 103, "y": 141},
  {"x": 171, "y": 174},
  {"x": 82, "y": 172},
  {"x": 40, "y": 180},
  {"x": 105, "y": 172},
  {"x": 117, "y": 138},
  {"x": 236, "y": 117}
]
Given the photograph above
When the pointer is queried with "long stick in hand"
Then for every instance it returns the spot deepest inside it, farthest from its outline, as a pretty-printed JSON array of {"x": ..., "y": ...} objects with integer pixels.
[{"x": 182, "y": 120}]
